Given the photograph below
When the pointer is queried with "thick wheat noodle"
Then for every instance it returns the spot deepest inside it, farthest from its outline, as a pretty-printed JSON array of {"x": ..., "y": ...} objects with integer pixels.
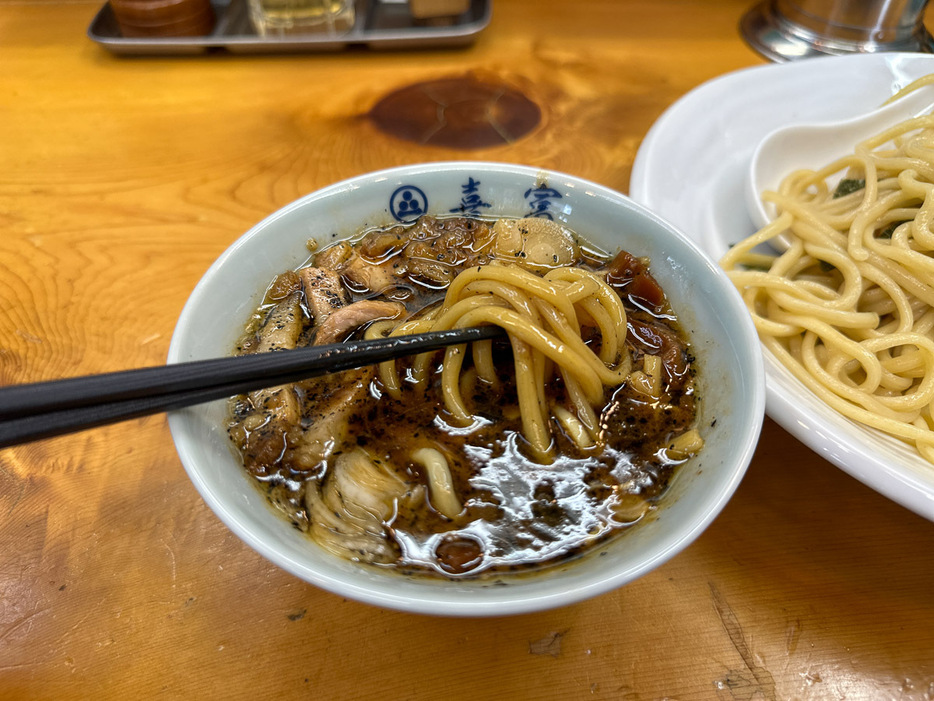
[
  {"x": 571, "y": 336},
  {"x": 848, "y": 306},
  {"x": 531, "y": 400},
  {"x": 483, "y": 351},
  {"x": 539, "y": 339},
  {"x": 604, "y": 309},
  {"x": 544, "y": 317},
  {"x": 909, "y": 432},
  {"x": 388, "y": 374},
  {"x": 513, "y": 275},
  {"x": 585, "y": 412}
]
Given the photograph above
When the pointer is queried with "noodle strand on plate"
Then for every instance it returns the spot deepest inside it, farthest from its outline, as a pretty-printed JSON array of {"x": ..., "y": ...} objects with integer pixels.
[{"x": 847, "y": 306}]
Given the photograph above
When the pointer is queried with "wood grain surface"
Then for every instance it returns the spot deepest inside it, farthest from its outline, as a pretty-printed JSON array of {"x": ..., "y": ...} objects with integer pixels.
[{"x": 122, "y": 179}]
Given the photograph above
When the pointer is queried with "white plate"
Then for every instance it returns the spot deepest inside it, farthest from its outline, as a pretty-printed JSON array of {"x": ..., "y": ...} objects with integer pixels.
[{"x": 690, "y": 170}]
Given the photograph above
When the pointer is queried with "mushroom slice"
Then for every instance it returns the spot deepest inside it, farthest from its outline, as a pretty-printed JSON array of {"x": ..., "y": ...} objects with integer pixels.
[
  {"x": 344, "y": 321},
  {"x": 329, "y": 406},
  {"x": 324, "y": 292},
  {"x": 283, "y": 325}
]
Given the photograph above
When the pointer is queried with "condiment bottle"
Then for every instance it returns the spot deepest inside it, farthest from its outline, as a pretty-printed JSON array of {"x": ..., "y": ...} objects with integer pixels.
[{"x": 163, "y": 18}]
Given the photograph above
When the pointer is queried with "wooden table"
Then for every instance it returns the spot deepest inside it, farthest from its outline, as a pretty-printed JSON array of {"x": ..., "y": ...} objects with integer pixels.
[{"x": 122, "y": 179}]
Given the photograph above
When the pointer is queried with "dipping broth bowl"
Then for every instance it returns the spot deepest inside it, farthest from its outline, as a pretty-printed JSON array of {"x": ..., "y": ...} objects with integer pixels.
[{"x": 730, "y": 380}]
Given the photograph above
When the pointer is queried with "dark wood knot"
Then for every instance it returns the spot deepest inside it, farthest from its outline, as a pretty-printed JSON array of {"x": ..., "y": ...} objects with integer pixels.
[{"x": 460, "y": 113}]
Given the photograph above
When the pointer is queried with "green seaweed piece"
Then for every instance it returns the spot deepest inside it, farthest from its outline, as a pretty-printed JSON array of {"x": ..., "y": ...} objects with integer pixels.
[{"x": 848, "y": 185}]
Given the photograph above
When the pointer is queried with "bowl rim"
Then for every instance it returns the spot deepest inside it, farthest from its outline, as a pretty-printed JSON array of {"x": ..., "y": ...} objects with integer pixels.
[{"x": 439, "y": 599}]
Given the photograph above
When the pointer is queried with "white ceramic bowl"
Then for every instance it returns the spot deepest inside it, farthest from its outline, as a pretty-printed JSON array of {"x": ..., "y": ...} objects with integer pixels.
[{"x": 730, "y": 382}]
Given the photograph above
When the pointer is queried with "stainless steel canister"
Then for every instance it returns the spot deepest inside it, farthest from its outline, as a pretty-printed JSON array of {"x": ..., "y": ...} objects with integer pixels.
[{"x": 785, "y": 30}]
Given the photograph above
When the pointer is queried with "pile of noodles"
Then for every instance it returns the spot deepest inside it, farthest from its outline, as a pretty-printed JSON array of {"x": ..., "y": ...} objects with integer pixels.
[
  {"x": 848, "y": 307},
  {"x": 544, "y": 316}
]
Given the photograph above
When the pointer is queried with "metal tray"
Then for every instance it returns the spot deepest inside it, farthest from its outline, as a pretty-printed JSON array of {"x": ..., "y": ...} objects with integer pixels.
[{"x": 380, "y": 24}]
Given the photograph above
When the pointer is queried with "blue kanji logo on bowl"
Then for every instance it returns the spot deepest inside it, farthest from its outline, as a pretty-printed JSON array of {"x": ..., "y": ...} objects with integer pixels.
[
  {"x": 407, "y": 203},
  {"x": 471, "y": 202},
  {"x": 540, "y": 201}
]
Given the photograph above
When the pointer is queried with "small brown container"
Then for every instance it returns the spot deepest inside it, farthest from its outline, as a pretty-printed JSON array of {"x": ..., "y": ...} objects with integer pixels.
[{"x": 163, "y": 18}]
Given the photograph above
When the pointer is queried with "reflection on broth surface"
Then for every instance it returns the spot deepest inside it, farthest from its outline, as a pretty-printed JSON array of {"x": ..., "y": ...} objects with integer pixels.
[{"x": 501, "y": 455}]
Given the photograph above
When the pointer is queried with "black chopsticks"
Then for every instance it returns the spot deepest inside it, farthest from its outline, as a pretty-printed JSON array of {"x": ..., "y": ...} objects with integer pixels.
[{"x": 33, "y": 411}]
